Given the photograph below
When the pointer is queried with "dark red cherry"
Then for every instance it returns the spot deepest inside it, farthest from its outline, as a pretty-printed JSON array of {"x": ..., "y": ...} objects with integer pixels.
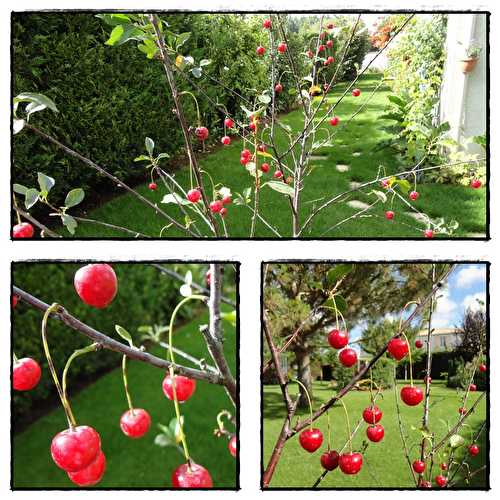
[
  {"x": 26, "y": 374},
  {"x": 330, "y": 460},
  {"x": 375, "y": 433},
  {"x": 191, "y": 476},
  {"x": 412, "y": 395},
  {"x": 372, "y": 414},
  {"x": 350, "y": 463},
  {"x": 348, "y": 357},
  {"x": 311, "y": 439},
  {"x": 338, "y": 339}
]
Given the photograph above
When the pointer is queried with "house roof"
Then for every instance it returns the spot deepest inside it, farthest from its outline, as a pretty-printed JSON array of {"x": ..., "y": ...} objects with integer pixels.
[{"x": 440, "y": 331}]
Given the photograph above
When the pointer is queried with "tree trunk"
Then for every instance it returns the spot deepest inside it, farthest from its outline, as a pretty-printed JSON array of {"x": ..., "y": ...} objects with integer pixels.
[{"x": 303, "y": 373}]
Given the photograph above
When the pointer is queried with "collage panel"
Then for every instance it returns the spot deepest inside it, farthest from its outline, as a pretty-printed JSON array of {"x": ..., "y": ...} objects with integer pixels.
[
  {"x": 237, "y": 125},
  {"x": 125, "y": 375},
  {"x": 375, "y": 375}
]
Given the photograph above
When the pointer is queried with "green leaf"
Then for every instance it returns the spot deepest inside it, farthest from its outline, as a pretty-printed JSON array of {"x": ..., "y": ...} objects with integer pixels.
[
  {"x": 379, "y": 194},
  {"x": 20, "y": 189},
  {"x": 197, "y": 72},
  {"x": 265, "y": 154},
  {"x": 264, "y": 99},
  {"x": 182, "y": 39},
  {"x": 46, "y": 183},
  {"x": 114, "y": 19},
  {"x": 205, "y": 62},
  {"x": 403, "y": 184},
  {"x": 281, "y": 187},
  {"x": 230, "y": 316},
  {"x": 150, "y": 145},
  {"x": 124, "y": 334},
  {"x": 251, "y": 168},
  {"x": 337, "y": 272},
  {"x": 122, "y": 33},
  {"x": 74, "y": 197},
  {"x": 69, "y": 223},
  {"x": 398, "y": 101},
  {"x": 175, "y": 198},
  {"x": 163, "y": 440},
  {"x": 456, "y": 441},
  {"x": 246, "y": 111},
  {"x": 142, "y": 158},
  {"x": 340, "y": 303},
  {"x": 31, "y": 197},
  {"x": 38, "y": 99}
]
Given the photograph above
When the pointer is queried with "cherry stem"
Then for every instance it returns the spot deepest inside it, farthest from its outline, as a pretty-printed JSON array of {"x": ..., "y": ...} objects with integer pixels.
[
  {"x": 14, "y": 357},
  {"x": 171, "y": 371},
  {"x": 329, "y": 430},
  {"x": 308, "y": 400},
  {"x": 65, "y": 403},
  {"x": 409, "y": 355},
  {"x": 338, "y": 313},
  {"x": 125, "y": 383},
  {"x": 220, "y": 423},
  {"x": 18, "y": 216},
  {"x": 186, "y": 92},
  {"x": 349, "y": 437}
]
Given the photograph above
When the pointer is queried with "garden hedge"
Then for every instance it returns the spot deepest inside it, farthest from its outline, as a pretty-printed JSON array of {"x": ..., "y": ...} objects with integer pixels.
[{"x": 145, "y": 297}]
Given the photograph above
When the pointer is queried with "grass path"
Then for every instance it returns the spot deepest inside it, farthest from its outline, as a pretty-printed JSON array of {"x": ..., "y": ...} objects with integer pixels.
[
  {"x": 353, "y": 149},
  {"x": 135, "y": 463},
  {"x": 383, "y": 463}
]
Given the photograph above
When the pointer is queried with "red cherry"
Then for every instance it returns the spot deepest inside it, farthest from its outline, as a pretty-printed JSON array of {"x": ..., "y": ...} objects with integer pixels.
[
  {"x": 482, "y": 368},
  {"x": 334, "y": 121},
  {"x": 348, "y": 357},
  {"x": 92, "y": 474},
  {"x": 23, "y": 230},
  {"x": 244, "y": 160},
  {"x": 329, "y": 44},
  {"x": 184, "y": 387},
  {"x": 216, "y": 206},
  {"x": 385, "y": 183},
  {"x": 321, "y": 48},
  {"x": 261, "y": 148},
  {"x": 278, "y": 88},
  {"x": 15, "y": 299},
  {"x": 260, "y": 50},
  {"x": 350, "y": 463},
  {"x": 473, "y": 450},
  {"x": 472, "y": 387},
  {"x": 226, "y": 140},
  {"x": 322, "y": 35},
  {"x": 26, "y": 374},
  {"x": 309, "y": 54},
  {"x": 201, "y": 133},
  {"x": 311, "y": 439},
  {"x": 75, "y": 449},
  {"x": 282, "y": 47},
  {"x": 194, "y": 195},
  {"x": 330, "y": 26},
  {"x": 252, "y": 126},
  {"x": 443, "y": 466},
  {"x": 326, "y": 87},
  {"x": 356, "y": 92},
  {"x": 372, "y": 414},
  {"x": 375, "y": 433},
  {"x": 233, "y": 446},
  {"x": 226, "y": 200},
  {"x": 135, "y": 423},
  {"x": 278, "y": 174},
  {"x": 418, "y": 344},
  {"x": 389, "y": 215},
  {"x": 462, "y": 410},
  {"x": 413, "y": 195},
  {"x": 425, "y": 484},
  {"x": 398, "y": 348},
  {"x": 208, "y": 277},
  {"x": 411, "y": 395},
  {"x": 96, "y": 284},
  {"x": 418, "y": 466},
  {"x": 191, "y": 476},
  {"x": 266, "y": 23},
  {"x": 475, "y": 184},
  {"x": 330, "y": 460},
  {"x": 245, "y": 153},
  {"x": 228, "y": 123},
  {"x": 223, "y": 212},
  {"x": 429, "y": 233},
  {"x": 153, "y": 186},
  {"x": 329, "y": 60},
  {"x": 440, "y": 481},
  {"x": 338, "y": 339},
  {"x": 265, "y": 167}
]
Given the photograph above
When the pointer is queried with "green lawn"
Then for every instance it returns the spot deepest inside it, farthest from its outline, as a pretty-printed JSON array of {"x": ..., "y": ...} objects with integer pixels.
[
  {"x": 383, "y": 463},
  {"x": 135, "y": 463},
  {"x": 461, "y": 203}
]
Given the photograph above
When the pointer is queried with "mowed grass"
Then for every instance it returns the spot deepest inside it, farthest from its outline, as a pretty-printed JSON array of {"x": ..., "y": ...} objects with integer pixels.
[
  {"x": 354, "y": 145},
  {"x": 136, "y": 462},
  {"x": 384, "y": 464}
]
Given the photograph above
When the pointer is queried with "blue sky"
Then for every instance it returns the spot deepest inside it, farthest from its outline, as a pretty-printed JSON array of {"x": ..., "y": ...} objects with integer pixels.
[{"x": 466, "y": 283}]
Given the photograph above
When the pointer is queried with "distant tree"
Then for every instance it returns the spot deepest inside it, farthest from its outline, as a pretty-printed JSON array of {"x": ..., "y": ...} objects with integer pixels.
[{"x": 473, "y": 330}]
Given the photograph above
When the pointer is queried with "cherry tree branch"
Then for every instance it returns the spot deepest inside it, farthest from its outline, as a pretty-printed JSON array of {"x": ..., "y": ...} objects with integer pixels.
[
  {"x": 109, "y": 343},
  {"x": 36, "y": 223}
]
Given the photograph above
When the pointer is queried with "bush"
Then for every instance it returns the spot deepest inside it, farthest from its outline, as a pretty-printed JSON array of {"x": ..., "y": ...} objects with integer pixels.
[{"x": 144, "y": 297}]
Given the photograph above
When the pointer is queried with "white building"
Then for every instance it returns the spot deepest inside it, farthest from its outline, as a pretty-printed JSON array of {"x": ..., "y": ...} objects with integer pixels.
[{"x": 442, "y": 339}]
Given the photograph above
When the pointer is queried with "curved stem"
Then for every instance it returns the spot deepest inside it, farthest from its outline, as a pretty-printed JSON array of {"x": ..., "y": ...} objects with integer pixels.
[
  {"x": 309, "y": 401},
  {"x": 329, "y": 430},
  {"x": 125, "y": 383},
  {"x": 66, "y": 406},
  {"x": 409, "y": 356},
  {"x": 347, "y": 424},
  {"x": 18, "y": 216}
]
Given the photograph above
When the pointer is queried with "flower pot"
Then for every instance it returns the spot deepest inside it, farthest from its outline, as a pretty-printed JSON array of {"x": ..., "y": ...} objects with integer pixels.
[{"x": 469, "y": 64}]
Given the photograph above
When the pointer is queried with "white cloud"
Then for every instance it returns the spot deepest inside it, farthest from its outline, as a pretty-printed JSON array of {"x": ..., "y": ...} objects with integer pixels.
[
  {"x": 471, "y": 301},
  {"x": 466, "y": 276},
  {"x": 445, "y": 312}
]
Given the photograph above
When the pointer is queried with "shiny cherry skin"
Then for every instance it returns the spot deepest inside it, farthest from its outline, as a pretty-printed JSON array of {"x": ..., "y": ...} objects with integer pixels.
[
  {"x": 153, "y": 186},
  {"x": 216, "y": 206},
  {"x": 443, "y": 466},
  {"x": 311, "y": 439},
  {"x": 372, "y": 414},
  {"x": 429, "y": 234},
  {"x": 398, "y": 348},
  {"x": 191, "y": 476},
  {"x": 334, "y": 121},
  {"x": 348, "y": 357},
  {"x": 375, "y": 433},
  {"x": 425, "y": 484},
  {"x": 282, "y": 47},
  {"x": 278, "y": 88},
  {"x": 411, "y": 395},
  {"x": 265, "y": 168},
  {"x": 414, "y": 195},
  {"x": 329, "y": 44},
  {"x": 418, "y": 466},
  {"x": 15, "y": 300},
  {"x": 227, "y": 200},
  {"x": 75, "y": 449},
  {"x": 356, "y": 92},
  {"x": 184, "y": 387},
  {"x": 228, "y": 123},
  {"x": 92, "y": 474},
  {"x": 26, "y": 374},
  {"x": 475, "y": 184},
  {"x": 135, "y": 423},
  {"x": 193, "y": 195},
  {"x": 96, "y": 284},
  {"x": 440, "y": 481},
  {"x": 266, "y": 24},
  {"x": 473, "y": 450},
  {"x": 245, "y": 153},
  {"x": 201, "y": 133},
  {"x": 462, "y": 410},
  {"x": 226, "y": 140},
  {"x": 278, "y": 174},
  {"x": 23, "y": 230},
  {"x": 233, "y": 446},
  {"x": 330, "y": 460},
  {"x": 350, "y": 463},
  {"x": 389, "y": 215},
  {"x": 482, "y": 368},
  {"x": 418, "y": 344},
  {"x": 260, "y": 50},
  {"x": 338, "y": 339},
  {"x": 472, "y": 387},
  {"x": 223, "y": 212}
]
